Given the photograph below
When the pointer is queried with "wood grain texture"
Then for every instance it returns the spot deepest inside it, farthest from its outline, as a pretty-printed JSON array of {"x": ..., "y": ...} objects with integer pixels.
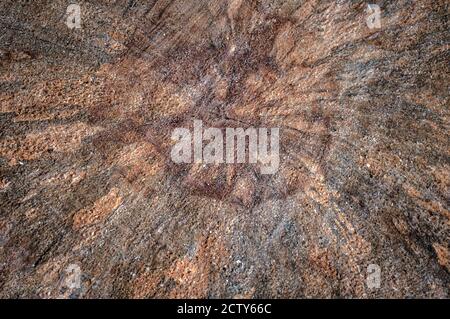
[{"x": 85, "y": 171}]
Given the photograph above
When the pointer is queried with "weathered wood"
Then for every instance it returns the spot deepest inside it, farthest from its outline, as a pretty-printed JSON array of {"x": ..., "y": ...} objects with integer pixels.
[{"x": 87, "y": 185}]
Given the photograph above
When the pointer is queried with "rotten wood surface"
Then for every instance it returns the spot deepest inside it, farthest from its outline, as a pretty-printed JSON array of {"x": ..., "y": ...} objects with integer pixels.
[{"x": 87, "y": 183}]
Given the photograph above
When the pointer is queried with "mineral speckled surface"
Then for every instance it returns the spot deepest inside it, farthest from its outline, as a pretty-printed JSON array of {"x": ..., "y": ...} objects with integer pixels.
[{"x": 91, "y": 204}]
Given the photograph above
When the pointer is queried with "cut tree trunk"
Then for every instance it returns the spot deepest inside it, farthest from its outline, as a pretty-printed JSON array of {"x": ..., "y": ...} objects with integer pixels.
[{"x": 92, "y": 204}]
